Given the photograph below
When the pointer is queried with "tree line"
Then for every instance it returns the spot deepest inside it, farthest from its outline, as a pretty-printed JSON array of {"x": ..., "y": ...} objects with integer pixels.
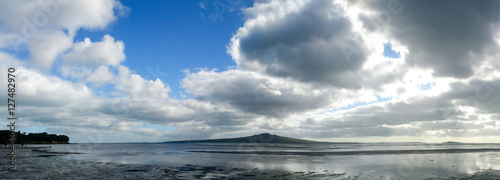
[{"x": 33, "y": 138}]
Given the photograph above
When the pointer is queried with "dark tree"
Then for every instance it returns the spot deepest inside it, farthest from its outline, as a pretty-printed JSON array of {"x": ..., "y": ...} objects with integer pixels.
[{"x": 33, "y": 138}]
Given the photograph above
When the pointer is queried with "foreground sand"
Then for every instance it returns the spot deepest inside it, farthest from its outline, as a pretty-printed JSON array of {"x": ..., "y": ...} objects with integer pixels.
[{"x": 40, "y": 165}]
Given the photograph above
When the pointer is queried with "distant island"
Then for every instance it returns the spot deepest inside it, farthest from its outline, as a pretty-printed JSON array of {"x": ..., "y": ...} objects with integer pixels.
[
  {"x": 33, "y": 138},
  {"x": 260, "y": 138}
]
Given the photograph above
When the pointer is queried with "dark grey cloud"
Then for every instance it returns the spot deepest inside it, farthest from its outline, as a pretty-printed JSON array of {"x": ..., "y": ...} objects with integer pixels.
[
  {"x": 313, "y": 44},
  {"x": 481, "y": 94},
  {"x": 450, "y": 37}
]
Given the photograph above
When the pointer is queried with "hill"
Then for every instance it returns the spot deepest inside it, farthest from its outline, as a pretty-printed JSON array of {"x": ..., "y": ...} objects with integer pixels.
[{"x": 260, "y": 138}]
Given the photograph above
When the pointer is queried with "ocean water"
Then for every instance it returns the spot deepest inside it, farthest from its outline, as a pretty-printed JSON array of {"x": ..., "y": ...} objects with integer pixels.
[{"x": 388, "y": 160}]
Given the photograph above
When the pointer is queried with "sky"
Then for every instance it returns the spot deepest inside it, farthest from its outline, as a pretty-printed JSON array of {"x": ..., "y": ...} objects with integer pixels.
[{"x": 105, "y": 71}]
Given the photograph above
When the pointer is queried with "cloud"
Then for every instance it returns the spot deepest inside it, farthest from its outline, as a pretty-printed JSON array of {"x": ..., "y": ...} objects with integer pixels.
[
  {"x": 450, "y": 38},
  {"x": 310, "y": 41},
  {"x": 467, "y": 107},
  {"x": 47, "y": 46},
  {"x": 59, "y": 14},
  {"x": 84, "y": 57},
  {"x": 74, "y": 108},
  {"x": 48, "y": 27},
  {"x": 100, "y": 76},
  {"x": 41, "y": 90},
  {"x": 89, "y": 54},
  {"x": 254, "y": 93}
]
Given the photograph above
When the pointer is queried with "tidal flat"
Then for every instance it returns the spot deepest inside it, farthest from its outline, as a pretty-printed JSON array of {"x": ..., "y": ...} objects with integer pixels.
[{"x": 284, "y": 161}]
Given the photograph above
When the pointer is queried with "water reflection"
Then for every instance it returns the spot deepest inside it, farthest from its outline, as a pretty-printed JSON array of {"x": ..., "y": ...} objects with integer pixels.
[{"x": 402, "y": 166}]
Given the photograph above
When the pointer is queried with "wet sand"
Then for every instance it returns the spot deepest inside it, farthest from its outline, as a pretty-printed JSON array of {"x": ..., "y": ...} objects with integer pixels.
[{"x": 45, "y": 165}]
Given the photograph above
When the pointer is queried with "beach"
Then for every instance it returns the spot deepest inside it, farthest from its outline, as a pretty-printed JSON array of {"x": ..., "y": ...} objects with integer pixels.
[
  {"x": 47, "y": 165},
  {"x": 39, "y": 166},
  {"x": 52, "y": 163}
]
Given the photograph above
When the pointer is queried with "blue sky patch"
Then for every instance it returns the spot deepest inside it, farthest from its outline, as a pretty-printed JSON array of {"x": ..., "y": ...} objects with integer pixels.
[
  {"x": 389, "y": 52},
  {"x": 426, "y": 86},
  {"x": 358, "y": 104}
]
